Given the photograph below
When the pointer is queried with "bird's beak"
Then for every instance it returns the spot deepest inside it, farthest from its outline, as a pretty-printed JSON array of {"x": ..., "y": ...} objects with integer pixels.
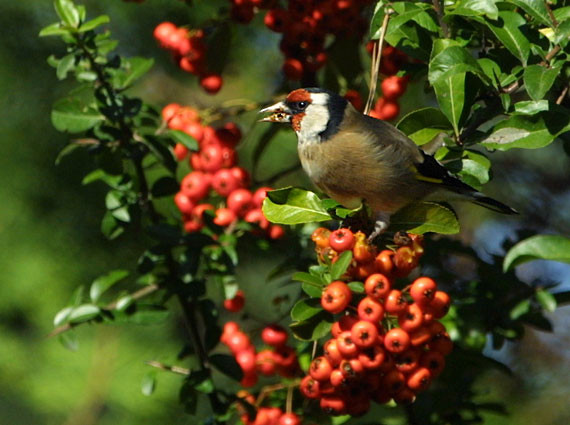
[{"x": 279, "y": 113}]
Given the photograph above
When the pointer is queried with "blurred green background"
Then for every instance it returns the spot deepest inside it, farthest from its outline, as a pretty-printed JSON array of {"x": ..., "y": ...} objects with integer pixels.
[{"x": 51, "y": 244}]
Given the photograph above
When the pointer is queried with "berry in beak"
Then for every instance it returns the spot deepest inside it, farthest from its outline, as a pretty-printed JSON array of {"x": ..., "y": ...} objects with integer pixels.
[{"x": 280, "y": 112}]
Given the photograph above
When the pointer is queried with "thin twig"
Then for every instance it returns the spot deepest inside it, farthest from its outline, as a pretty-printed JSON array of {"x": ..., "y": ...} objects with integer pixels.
[
  {"x": 562, "y": 96},
  {"x": 147, "y": 290},
  {"x": 550, "y": 14},
  {"x": 375, "y": 63},
  {"x": 438, "y": 6},
  {"x": 175, "y": 369},
  {"x": 289, "y": 401}
]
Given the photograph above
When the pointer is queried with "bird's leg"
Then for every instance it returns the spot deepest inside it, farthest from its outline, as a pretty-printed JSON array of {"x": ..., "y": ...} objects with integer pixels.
[{"x": 381, "y": 223}]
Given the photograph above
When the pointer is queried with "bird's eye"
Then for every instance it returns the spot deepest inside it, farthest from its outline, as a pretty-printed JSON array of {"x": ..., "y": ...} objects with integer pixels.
[{"x": 302, "y": 104}]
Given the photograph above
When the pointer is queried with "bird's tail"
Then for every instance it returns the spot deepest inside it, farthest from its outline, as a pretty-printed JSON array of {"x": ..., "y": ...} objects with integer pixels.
[{"x": 492, "y": 204}]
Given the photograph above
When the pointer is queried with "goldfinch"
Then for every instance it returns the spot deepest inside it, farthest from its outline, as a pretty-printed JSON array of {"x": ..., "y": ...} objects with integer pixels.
[{"x": 353, "y": 158}]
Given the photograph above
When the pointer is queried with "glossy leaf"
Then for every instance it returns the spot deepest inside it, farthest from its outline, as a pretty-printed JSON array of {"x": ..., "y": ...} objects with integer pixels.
[
  {"x": 520, "y": 309},
  {"x": 94, "y": 23},
  {"x": 546, "y": 300},
  {"x": 69, "y": 340},
  {"x": 73, "y": 116},
  {"x": 423, "y": 217},
  {"x": 340, "y": 266},
  {"x": 507, "y": 30},
  {"x": 312, "y": 290},
  {"x": 306, "y": 308},
  {"x": 314, "y": 328},
  {"x": 538, "y": 80},
  {"x": 181, "y": 137},
  {"x": 133, "y": 68},
  {"x": 227, "y": 365},
  {"x": 539, "y": 247},
  {"x": 450, "y": 61},
  {"x": 536, "y": 9},
  {"x": 309, "y": 278},
  {"x": 528, "y": 132},
  {"x": 450, "y": 93},
  {"x": 376, "y": 21},
  {"x": 477, "y": 8},
  {"x": 531, "y": 107},
  {"x": 54, "y": 29},
  {"x": 423, "y": 125},
  {"x": 62, "y": 316},
  {"x": 105, "y": 282},
  {"x": 67, "y": 12},
  {"x": 148, "y": 384},
  {"x": 293, "y": 206},
  {"x": 84, "y": 313}
]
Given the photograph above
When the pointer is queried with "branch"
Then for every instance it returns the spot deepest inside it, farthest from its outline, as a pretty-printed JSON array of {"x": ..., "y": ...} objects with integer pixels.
[
  {"x": 143, "y": 292},
  {"x": 438, "y": 6},
  {"x": 375, "y": 64},
  {"x": 174, "y": 369}
]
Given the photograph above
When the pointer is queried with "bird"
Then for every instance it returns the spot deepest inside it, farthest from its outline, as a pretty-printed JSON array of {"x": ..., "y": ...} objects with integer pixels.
[{"x": 355, "y": 158}]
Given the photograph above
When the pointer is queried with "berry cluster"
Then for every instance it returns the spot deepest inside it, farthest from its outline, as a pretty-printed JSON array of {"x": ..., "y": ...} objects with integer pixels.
[
  {"x": 267, "y": 415},
  {"x": 387, "y": 343},
  {"x": 280, "y": 359},
  {"x": 393, "y": 87},
  {"x": 305, "y": 24},
  {"x": 214, "y": 172},
  {"x": 189, "y": 51}
]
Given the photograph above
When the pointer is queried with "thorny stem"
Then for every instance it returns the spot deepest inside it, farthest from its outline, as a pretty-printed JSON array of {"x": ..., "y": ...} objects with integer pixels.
[
  {"x": 141, "y": 293},
  {"x": 126, "y": 132}
]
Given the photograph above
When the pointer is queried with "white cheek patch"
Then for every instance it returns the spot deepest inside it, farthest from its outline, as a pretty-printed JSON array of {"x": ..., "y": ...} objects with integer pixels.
[{"x": 313, "y": 123}]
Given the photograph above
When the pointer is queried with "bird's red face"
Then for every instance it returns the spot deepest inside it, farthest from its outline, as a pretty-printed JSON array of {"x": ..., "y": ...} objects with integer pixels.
[{"x": 292, "y": 109}]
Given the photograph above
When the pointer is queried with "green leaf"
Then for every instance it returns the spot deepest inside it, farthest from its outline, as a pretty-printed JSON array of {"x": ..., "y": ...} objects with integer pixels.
[
  {"x": 94, "y": 23},
  {"x": 165, "y": 186},
  {"x": 227, "y": 365},
  {"x": 187, "y": 140},
  {"x": 507, "y": 30},
  {"x": 411, "y": 12},
  {"x": 69, "y": 340},
  {"x": 377, "y": 19},
  {"x": 312, "y": 290},
  {"x": 531, "y": 107},
  {"x": 546, "y": 300},
  {"x": 133, "y": 69},
  {"x": 529, "y": 132},
  {"x": 536, "y": 9},
  {"x": 539, "y": 247},
  {"x": 111, "y": 227},
  {"x": 423, "y": 217},
  {"x": 477, "y": 8},
  {"x": 339, "y": 420},
  {"x": 62, "y": 316},
  {"x": 340, "y": 266},
  {"x": 450, "y": 61},
  {"x": 520, "y": 309},
  {"x": 538, "y": 80},
  {"x": 103, "y": 283},
  {"x": 73, "y": 116},
  {"x": 450, "y": 93},
  {"x": 147, "y": 314},
  {"x": 314, "y": 328},
  {"x": 309, "y": 278},
  {"x": 357, "y": 287},
  {"x": 67, "y": 12},
  {"x": 148, "y": 383},
  {"x": 124, "y": 302},
  {"x": 422, "y": 125},
  {"x": 84, "y": 313},
  {"x": 293, "y": 206},
  {"x": 54, "y": 29},
  {"x": 305, "y": 309},
  {"x": 473, "y": 168}
]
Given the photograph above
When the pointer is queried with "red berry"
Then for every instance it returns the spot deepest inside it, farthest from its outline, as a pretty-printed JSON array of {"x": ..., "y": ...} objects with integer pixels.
[
  {"x": 240, "y": 201},
  {"x": 346, "y": 345},
  {"x": 344, "y": 324},
  {"x": 195, "y": 185},
  {"x": 333, "y": 404},
  {"x": 259, "y": 195},
  {"x": 411, "y": 318},
  {"x": 433, "y": 361},
  {"x": 420, "y": 379},
  {"x": 407, "y": 361},
  {"x": 370, "y": 310},
  {"x": 393, "y": 87},
  {"x": 377, "y": 286},
  {"x": 354, "y": 97},
  {"x": 246, "y": 360},
  {"x": 423, "y": 290},
  {"x": 351, "y": 368},
  {"x": 396, "y": 340},
  {"x": 224, "y": 217},
  {"x": 440, "y": 304},
  {"x": 212, "y": 83},
  {"x": 384, "y": 262},
  {"x": 395, "y": 302},
  {"x": 332, "y": 353},
  {"x": 256, "y": 217},
  {"x": 394, "y": 381},
  {"x": 372, "y": 357},
  {"x": 320, "y": 369},
  {"x": 309, "y": 387},
  {"x": 180, "y": 151},
  {"x": 275, "y": 231},
  {"x": 211, "y": 158},
  {"x": 238, "y": 342},
  {"x": 293, "y": 69},
  {"x": 289, "y": 419},
  {"x": 342, "y": 240},
  {"x": 236, "y": 303},
  {"x": 169, "y": 111},
  {"x": 336, "y": 297},
  {"x": 276, "y": 19},
  {"x": 364, "y": 334},
  {"x": 163, "y": 31},
  {"x": 265, "y": 362},
  {"x": 274, "y": 335},
  {"x": 242, "y": 175},
  {"x": 184, "y": 203},
  {"x": 405, "y": 396},
  {"x": 224, "y": 182},
  {"x": 194, "y": 129}
]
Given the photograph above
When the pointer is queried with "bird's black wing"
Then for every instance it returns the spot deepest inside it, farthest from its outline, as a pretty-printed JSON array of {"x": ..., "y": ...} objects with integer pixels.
[{"x": 432, "y": 171}]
